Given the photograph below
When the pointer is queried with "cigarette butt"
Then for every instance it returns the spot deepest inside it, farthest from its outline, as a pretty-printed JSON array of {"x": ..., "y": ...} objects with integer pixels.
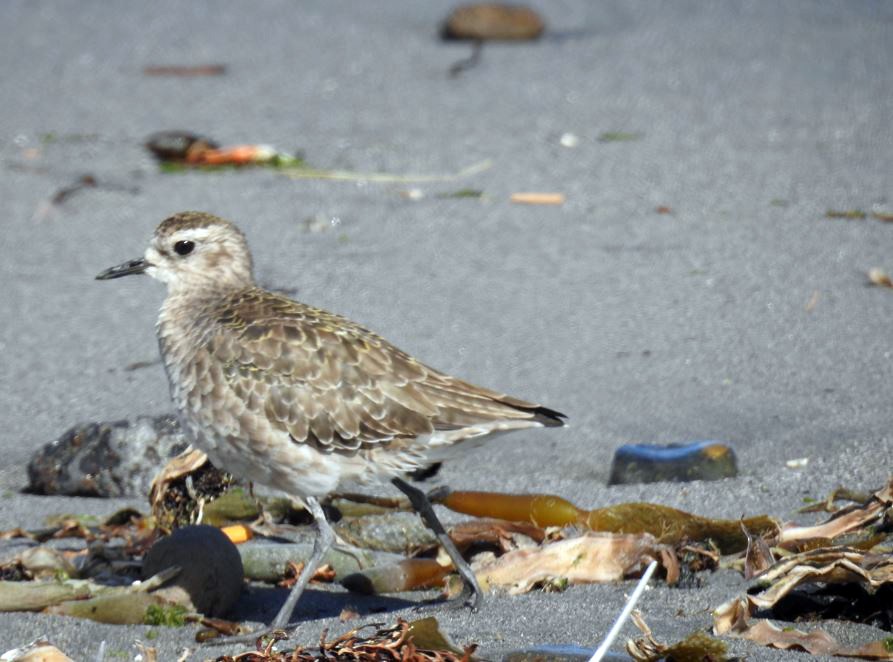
[
  {"x": 237, "y": 533},
  {"x": 530, "y": 198}
]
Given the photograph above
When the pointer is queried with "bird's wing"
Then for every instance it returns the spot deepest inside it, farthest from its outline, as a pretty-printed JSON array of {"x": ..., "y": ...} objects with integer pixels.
[{"x": 335, "y": 385}]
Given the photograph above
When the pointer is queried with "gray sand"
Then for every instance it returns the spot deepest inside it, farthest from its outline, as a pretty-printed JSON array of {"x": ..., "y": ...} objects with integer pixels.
[{"x": 743, "y": 316}]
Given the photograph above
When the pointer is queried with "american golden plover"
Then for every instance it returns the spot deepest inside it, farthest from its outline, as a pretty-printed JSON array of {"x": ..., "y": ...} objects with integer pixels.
[{"x": 300, "y": 399}]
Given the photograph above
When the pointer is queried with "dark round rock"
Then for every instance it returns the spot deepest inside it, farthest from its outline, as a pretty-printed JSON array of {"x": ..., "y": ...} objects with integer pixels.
[{"x": 211, "y": 567}]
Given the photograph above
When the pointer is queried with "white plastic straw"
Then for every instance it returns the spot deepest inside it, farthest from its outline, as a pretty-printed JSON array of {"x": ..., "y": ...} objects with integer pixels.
[{"x": 624, "y": 615}]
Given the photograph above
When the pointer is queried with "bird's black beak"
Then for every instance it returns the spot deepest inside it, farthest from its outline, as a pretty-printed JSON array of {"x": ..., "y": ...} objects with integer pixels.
[{"x": 128, "y": 268}]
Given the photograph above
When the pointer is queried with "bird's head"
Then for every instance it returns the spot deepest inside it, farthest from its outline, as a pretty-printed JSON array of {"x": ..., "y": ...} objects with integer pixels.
[{"x": 193, "y": 251}]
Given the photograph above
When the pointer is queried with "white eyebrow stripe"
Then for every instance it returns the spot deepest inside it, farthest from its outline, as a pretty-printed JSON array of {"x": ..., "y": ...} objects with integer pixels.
[{"x": 193, "y": 233}]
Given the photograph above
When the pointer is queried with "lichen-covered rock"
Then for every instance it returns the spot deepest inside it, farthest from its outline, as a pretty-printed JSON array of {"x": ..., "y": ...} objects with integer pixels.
[{"x": 110, "y": 459}]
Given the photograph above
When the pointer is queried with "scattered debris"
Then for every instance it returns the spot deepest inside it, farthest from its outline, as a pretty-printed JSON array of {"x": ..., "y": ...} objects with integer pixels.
[
  {"x": 87, "y": 181},
  {"x": 813, "y": 301},
  {"x": 179, "y": 150},
  {"x": 461, "y": 193},
  {"x": 839, "y": 494},
  {"x": 669, "y": 525},
  {"x": 829, "y": 574},
  {"x": 324, "y": 573},
  {"x": 493, "y": 22},
  {"x": 592, "y": 557},
  {"x": 532, "y": 198},
  {"x": 237, "y": 533},
  {"x": 39, "y": 650},
  {"x": 758, "y": 556},
  {"x": 139, "y": 365},
  {"x": 569, "y": 140},
  {"x": 191, "y": 490},
  {"x": 418, "y": 641},
  {"x": 348, "y": 614},
  {"x": 186, "y": 71},
  {"x": 495, "y": 534},
  {"x": 650, "y": 463},
  {"x": 797, "y": 463},
  {"x": 618, "y": 136},
  {"x": 696, "y": 646},
  {"x": 847, "y": 214},
  {"x": 383, "y": 177},
  {"x": 845, "y": 521},
  {"x": 879, "y": 277}
]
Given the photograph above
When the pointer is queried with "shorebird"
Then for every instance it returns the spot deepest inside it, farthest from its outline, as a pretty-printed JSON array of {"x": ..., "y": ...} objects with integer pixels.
[{"x": 299, "y": 399}]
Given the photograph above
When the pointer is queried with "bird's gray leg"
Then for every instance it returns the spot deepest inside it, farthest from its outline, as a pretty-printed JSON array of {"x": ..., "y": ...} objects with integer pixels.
[
  {"x": 321, "y": 545},
  {"x": 472, "y": 592},
  {"x": 325, "y": 536}
]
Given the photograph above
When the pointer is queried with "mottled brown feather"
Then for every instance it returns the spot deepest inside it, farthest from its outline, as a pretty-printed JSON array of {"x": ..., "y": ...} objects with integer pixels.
[{"x": 333, "y": 384}]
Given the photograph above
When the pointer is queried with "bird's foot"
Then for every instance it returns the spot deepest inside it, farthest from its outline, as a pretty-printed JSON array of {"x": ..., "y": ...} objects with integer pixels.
[
  {"x": 471, "y": 597},
  {"x": 262, "y": 639}
]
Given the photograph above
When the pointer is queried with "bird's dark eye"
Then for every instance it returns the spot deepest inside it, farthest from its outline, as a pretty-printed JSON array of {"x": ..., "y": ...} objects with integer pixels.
[{"x": 184, "y": 247}]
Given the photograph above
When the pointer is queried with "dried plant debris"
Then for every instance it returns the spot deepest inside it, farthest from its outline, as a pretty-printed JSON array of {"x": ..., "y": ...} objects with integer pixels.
[
  {"x": 190, "y": 490},
  {"x": 832, "y": 582},
  {"x": 696, "y": 647},
  {"x": 491, "y": 21},
  {"x": 39, "y": 650},
  {"x": 669, "y": 525},
  {"x": 829, "y": 504},
  {"x": 185, "y": 71},
  {"x": 418, "y": 641},
  {"x": 179, "y": 150},
  {"x": 847, "y": 214},
  {"x": 497, "y": 535},
  {"x": 618, "y": 136},
  {"x": 849, "y": 520},
  {"x": 879, "y": 277},
  {"x": 758, "y": 556},
  {"x": 461, "y": 193},
  {"x": 828, "y": 577},
  {"x": 594, "y": 557}
]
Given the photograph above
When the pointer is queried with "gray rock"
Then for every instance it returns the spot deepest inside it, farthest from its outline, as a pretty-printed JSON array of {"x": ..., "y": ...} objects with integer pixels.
[{"x": 110, "y": 459}]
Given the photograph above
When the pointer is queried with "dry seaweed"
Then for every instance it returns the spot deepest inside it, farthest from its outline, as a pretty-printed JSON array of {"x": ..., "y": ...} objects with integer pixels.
[{"x": 419, "y": 641}]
